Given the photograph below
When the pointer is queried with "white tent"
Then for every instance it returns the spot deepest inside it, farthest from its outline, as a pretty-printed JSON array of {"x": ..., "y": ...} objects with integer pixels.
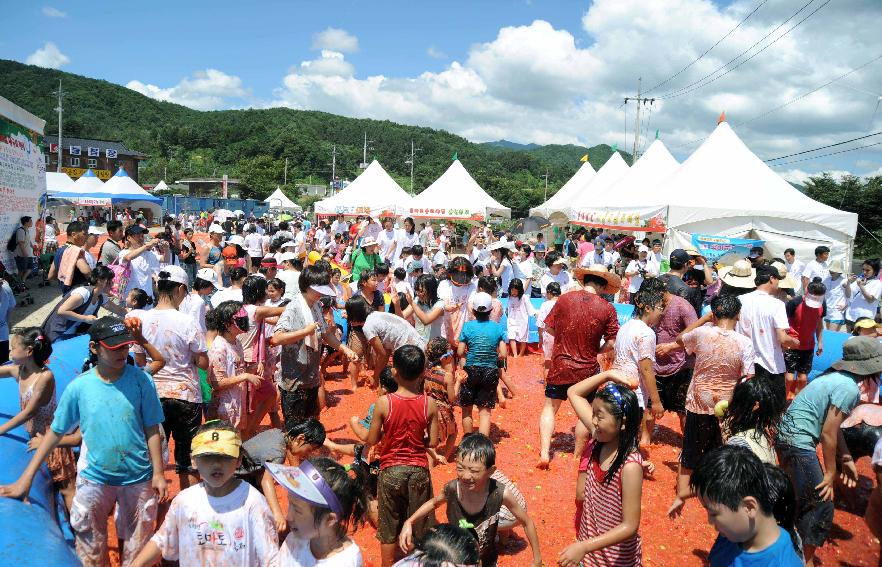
[
  {"x": 161, "y": 186},
  {"x": 372, "y": 193},
  {"x": 456, "y": 195},
  {"x": 279, "y": 200},
  {"x": 558, "y": 204},
  {"x": 630, "y": 202},
  {"x": 596, "y": 192},
  {"x": 57, "y": 182},
  {"x": 724, "y": 189},
  {"x": 122, "y": 188}
]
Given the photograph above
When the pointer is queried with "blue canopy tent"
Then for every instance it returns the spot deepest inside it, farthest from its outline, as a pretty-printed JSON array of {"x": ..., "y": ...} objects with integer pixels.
[{"x": 89, "y": 190}]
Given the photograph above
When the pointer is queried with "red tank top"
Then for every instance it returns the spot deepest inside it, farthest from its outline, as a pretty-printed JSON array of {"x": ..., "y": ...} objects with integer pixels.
[{"x": 403, "y": 432}]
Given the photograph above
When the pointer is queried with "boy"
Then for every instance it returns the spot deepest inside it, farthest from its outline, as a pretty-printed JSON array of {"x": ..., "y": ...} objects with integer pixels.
[
  {"x": 476, "y": 498},
  {"x": 732, "y": 486},
  {"x": 118, "y": 412},
  {"x": 806, "y": 315},
  {"x": 722, "y": 357},
  {"x": 485, "y": 341},
  {"x": 221, "y": 520},
  {"x": 402, "y": 420}
]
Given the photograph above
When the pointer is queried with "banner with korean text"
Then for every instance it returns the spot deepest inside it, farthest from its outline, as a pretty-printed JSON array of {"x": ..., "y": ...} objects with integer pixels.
[{"x": 724, "y": 249}]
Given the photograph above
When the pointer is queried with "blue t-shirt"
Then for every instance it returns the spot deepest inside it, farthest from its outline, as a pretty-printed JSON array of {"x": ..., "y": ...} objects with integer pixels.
[
  {"x": 802, "y": 424},
  {"x": 482, "y": 338},
  {"x": 112, "y": 418},
  {"x": 724, "y": 553}
]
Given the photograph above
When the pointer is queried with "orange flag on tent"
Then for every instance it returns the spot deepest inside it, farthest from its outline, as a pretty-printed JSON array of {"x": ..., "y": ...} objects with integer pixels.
[{"x": 722, "y": 118}]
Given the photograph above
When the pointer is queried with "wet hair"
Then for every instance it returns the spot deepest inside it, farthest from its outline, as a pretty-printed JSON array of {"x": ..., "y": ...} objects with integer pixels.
[
  {"x": 100, "y": 273},
  {"x": 526, "y": 249},
  {"x": 381, "y": 270},
  {"x": 461, "y": 264},
  {"x": 551, "y": 258},
  {"x": 312, "y": 430},
  {"x": 435, "y": 349},
  {"x": 487, "y": 284},
  {"x": 874, "y": 264},
  {"x": 821, "y": 250},
  {"x": 238, "y": 274},
  {"x": 754, "y": 406},
  {"x": 217, "y": 425},
  {"x": 416, "y": 250},
  {"x": 312, "y": 275},
  {"x": 790, "y": 250},
  {"x": 364, "y": 276},
  {"x": 477, "y": 447},
  {"x": 219, "y": 318},
  {"x": 33, "y": 338},
  {"x": 516, "y": 285},
  {"x": 408, "y": 360},
  {"x": 594, "y": 280},
  {"x": 350, "y": 493},
  {"x": 816, "y": 287},
  {"x": 114, "y": 225},
  {"x": 646, "y": 299},
  {"x": 696, "y": 275},
  {"x": 627, "y": 411},
  {"x": 254, "y": 290},
  {"x": 75, "y": 227},
  {"x": 725, "y": 306},
  {"x": 276, "y": 283},
  {"x": 446, "y": 545},
  {"x": 140, "y": 298},
  {"x": 387, "y": 380},
  {"x": 429, "y": 283},
  {"x": 399, "y": 274},
  {"x": 553, "y": 288},
  {"x": 764, "y": 274},
  {"x": 357, "y": 309}
]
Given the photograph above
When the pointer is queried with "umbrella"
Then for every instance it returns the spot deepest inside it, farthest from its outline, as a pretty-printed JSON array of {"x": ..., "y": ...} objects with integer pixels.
[{"x": 530, "y": 224}]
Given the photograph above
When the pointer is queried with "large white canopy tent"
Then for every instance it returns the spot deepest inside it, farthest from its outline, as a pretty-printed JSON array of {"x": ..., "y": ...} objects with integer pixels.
[
  {"x": 724, "y": 189},
  {"x": 57, "y": 182},
  {"x": 373, "y": 193},
  {"x": 456, "y": 196},
  {"x": 555, "y": 208},
  {"x": 596, "y": 192},
  {"x": 279, "y": 200}
]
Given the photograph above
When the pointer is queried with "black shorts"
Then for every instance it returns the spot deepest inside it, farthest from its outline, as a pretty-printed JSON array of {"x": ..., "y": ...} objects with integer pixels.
[
  {"x": 182, "y": 419},
  {"x": 299, "y": 405},
  {"x": 479, "y": 389},
  {"x": 672, "y": 390},
  {"x": 700, "y": 434},
  {"x": 798, "y": 361},
  {"x": 556, "y": 391},
  {"x": 775, "y": 380}
]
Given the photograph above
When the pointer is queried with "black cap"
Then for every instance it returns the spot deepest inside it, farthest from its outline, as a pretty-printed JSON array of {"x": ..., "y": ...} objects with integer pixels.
[
  {"x": 755, "y": 252},
  {"x": 767, "y": 270},
  {"x": 680, "y": 255},
  {"x": 111, "y": 332},
  {"x": 135, "y": 229}
]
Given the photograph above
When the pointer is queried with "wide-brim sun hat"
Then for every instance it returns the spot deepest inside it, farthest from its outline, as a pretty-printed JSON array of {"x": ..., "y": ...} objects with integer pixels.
[
  {"x": 784, "y": 278},
  {"x": 368, "y": 241},
  {"x": 861, "y": 356},
  {"x": 740, "y": 275},
  {"x": 613, "y": 282},
  {"x": 836, "y": 266}
]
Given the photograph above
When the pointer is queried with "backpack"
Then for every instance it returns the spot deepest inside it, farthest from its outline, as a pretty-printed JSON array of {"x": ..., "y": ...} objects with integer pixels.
[
  {"x": 12, "y": 243},
  {"x": 121, "y": 275},
  {"x": 55, "y": 326}
]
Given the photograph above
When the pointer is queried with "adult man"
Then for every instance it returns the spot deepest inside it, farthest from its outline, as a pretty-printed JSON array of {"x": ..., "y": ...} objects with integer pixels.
[
  {"x": 254, "y": 246},
  {"x": 24, "y": 248},
  {"x": 111, "y": 247},
  {"x": 477, "y": 251},
  {"x": 139, "y": 255},
  {"x": 655, "y": 255},
  {"x": 579, "y": 320},
  {"x": 756, "y": 256},
  {"x": 764, "y": 321},
  {"x": 795, "y": 267},
  {"x": 366, "y": 258},
  {"x": 388, "y": 242},
  {"x": 339, "y": 226},
  {"x": 817, "y": 267},
  {"x": 600, "y": 256},
  {"x": 639, "y": 269},
  {"x": 213, "y": 254},
  {"x": 73, "y": 271},
  {"x": 680, "y": 263}
]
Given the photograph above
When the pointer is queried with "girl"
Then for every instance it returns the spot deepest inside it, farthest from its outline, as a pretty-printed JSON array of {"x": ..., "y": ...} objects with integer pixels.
[
  {"x": 518, "y": 311},
  {"x": 501, "y": 266},
  {"x": 195, "y": 303},
  {"x": 318, "y": 487},
  {"x": 344, "y": 292},
  {"x": 29, "y": 351},
  {"x": 226, "y": 367},
  {"x": 610, "y": 473},
  {"x": 138, "y": 299},
  {"x": 751, "y": 418},
  {"x": 428, "y": 309},
  {"x": 488, "y": 285},
  {"x": 441, "y": 386},
  {"x": 552, "y": 292},
  {"x": 79, "y": 310}
]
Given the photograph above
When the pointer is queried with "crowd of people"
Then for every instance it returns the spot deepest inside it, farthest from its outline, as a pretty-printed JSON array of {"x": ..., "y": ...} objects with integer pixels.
[{"x": 220, "y": 325}]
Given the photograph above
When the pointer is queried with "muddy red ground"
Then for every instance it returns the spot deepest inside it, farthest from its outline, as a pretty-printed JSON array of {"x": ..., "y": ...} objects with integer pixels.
[{"x": 550, "y": 494}]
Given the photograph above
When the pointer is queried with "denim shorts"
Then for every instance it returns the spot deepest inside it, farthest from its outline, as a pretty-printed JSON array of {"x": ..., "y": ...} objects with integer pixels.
[{"x": 814, "y": 517}]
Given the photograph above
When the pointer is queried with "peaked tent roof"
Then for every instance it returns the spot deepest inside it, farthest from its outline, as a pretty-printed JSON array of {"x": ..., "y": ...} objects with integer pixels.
[
  {"x": 121, "y": 187},
  {"x": 456, "y": 195},
  {"x": 638, "y": 186},
  {"x": 560, "y": 201},
  {"x": 56, "y": 182},
  {"x": 596, "y": 192},
  {"x": 703, "y": 188},
  {"x": 161, "y": 186},
  {"x": 87, "y": 184},
  {"x": 373, "y": 192},
  {"x": 279, "y": 200}
]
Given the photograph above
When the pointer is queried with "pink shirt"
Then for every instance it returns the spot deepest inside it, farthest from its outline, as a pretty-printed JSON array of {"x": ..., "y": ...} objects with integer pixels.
[{"x": 721, "y": 359}]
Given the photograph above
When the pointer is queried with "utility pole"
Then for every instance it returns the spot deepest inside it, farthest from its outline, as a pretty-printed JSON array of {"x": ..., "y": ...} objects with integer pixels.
[
  {"x": 334, "y": 169},
  {"x": 60, "y": 94},
  {"x": 285, "y": 182},
  {"x": 640, "y": 101},
  {"x": 364, "y": 161},
  {"x": 546, "y": 186},
  {"x": 410, "y": 161}
]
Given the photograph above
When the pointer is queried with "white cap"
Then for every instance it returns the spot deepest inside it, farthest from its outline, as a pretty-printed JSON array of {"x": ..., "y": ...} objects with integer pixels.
[
  {"x": 324, "y": 290},
  {"x": 175, "y": 274},
  {"x": 215, "y": 228},
  {"x": 286, "y": 257},
  {"x": 643, "y": 248},
  {"x": 289, "y": 244},
  {"x": 236, "y": 239},
  {"x": 482, "y": 302},
  {"x": 95, "y": 230},
  {"x": 208, "y": 275}
]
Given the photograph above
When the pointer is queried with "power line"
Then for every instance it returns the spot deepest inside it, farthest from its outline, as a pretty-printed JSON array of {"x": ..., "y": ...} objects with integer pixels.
[
  {"x": 700, "y": 83},
  {"x": 826, "y": 155},
  {"x": 719, "y": 41},
  {"x": 824, "y": 147}
]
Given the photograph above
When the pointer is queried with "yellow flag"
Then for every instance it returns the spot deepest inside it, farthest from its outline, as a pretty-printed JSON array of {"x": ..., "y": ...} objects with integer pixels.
[{"x": 584, "y": 158}]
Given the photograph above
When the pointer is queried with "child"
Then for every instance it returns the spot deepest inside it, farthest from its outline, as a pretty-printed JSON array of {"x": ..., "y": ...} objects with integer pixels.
[
  {"x": 752, "y": 417},
  {"x": 552, "y": 292},
  {"x": 476, "y": 498},
  {"x": 734, "y": 488},
  {"x": 806, "y": 315},
  {"x": 488, "y": 285},
  {"x": 317, "y": 488},
  {"x": 29, "y": 352},
  {"x": 222, "y": 520},
  {"x": 402, "y": 420},
  {"x": 225, "y": 371},
  {"x": 722, "y": 357},
  {"x": 118, "y": 412},
  {"x": 443, "y": 545},
  {"x": 138, "y": 299},
  {"x": 441, "y": 385},
  {"x": 518, "y": 311},
  {"x": 400, "y": 283},
  {"x": 610, "y": 471},
  {"x": 485, "y": 341}
]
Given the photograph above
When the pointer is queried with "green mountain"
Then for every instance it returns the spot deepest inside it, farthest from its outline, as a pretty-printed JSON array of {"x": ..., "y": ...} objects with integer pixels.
[
  {"x": 509, "y": 145},
  {"x": 252, "y": 145}
]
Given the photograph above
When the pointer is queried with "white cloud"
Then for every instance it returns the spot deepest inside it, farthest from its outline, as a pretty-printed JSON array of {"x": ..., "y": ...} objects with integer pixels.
[
  {"x": 205, "y": 90},
  {"x": 48, "y": 56},
  {"x": 435, "y": 53},
  {"x": 335, "y": 39},
  {"x": 51, "y": 12},
  {"x": 330, "y": 64}
]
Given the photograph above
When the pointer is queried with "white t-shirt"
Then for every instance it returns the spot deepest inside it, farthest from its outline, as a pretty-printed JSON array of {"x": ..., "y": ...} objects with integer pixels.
[
  {"x": 387, "y": 241},
  {"x": 761, "y": 316},
  {"x": 815, "y": 269},
  {"x": 373, "y": 230},
  {"x": 295, "y": 552},
  {"x": 177, "y": 337},
  {"x": 524, "y": 272},
  {"x": 392, "y": 330},
  {"x": 339, "y": 227},
  {"x": 858, "y": 306},
  {"x": 233, "y": 530},
  {"x": 320, "y": 236},
  {"x": 480, "y": 256},
  {"x": 439, "y": 258},
  {"x": 543, "y": 312},
  {"x": 292, "y": 282},
  {"x": 506, "y": 276},
  {"x": 254, "y": 245},
  {"x": 143, "y": 268},
  {"x": 835, "y": 298},
  {"x": 635, "y": 342},
  {"x": 795, "y": 270},
  {"x": 91, "y": 309},
  {"x": 227, "y": 294},
  {"x": 637, "y": 280},
  {"x": 563, "y": 278},
  {"x": 194, "y": 306},
  {"x": 404, "y": 287}
]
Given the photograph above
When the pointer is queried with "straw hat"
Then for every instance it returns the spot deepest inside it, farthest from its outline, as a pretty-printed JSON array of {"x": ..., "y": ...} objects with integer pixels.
[
  {"x": 613, "y": 282},
  {"x": 740, "y": 275},
  {"x": 836, "y": 266},
  {"x": 784, "y": 279},
  {"x": 368, "y": 241}
]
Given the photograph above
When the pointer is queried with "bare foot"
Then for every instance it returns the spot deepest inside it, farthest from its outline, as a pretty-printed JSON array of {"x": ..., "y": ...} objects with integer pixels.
[
  {"x": 544, "y": 463},
  {"x": 501, "y": 402},
  {"x": 648, "y": 469}
]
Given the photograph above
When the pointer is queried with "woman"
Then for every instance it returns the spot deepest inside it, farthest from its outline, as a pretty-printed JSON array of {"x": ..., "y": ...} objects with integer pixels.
[
  {"x": 195, "y": 304},
  {"x": 367, "y": 289},
  {"x": 408, "y": 238},
  {"x": 862, "y": 293},
  {"x": 50, "y": 236},
  {"x": 80, "y": 309},
  {"x": 501, "y": 266}
]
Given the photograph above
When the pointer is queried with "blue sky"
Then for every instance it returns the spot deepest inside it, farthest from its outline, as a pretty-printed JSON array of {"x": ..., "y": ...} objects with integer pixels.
[{"x": 531, "y": 71}]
